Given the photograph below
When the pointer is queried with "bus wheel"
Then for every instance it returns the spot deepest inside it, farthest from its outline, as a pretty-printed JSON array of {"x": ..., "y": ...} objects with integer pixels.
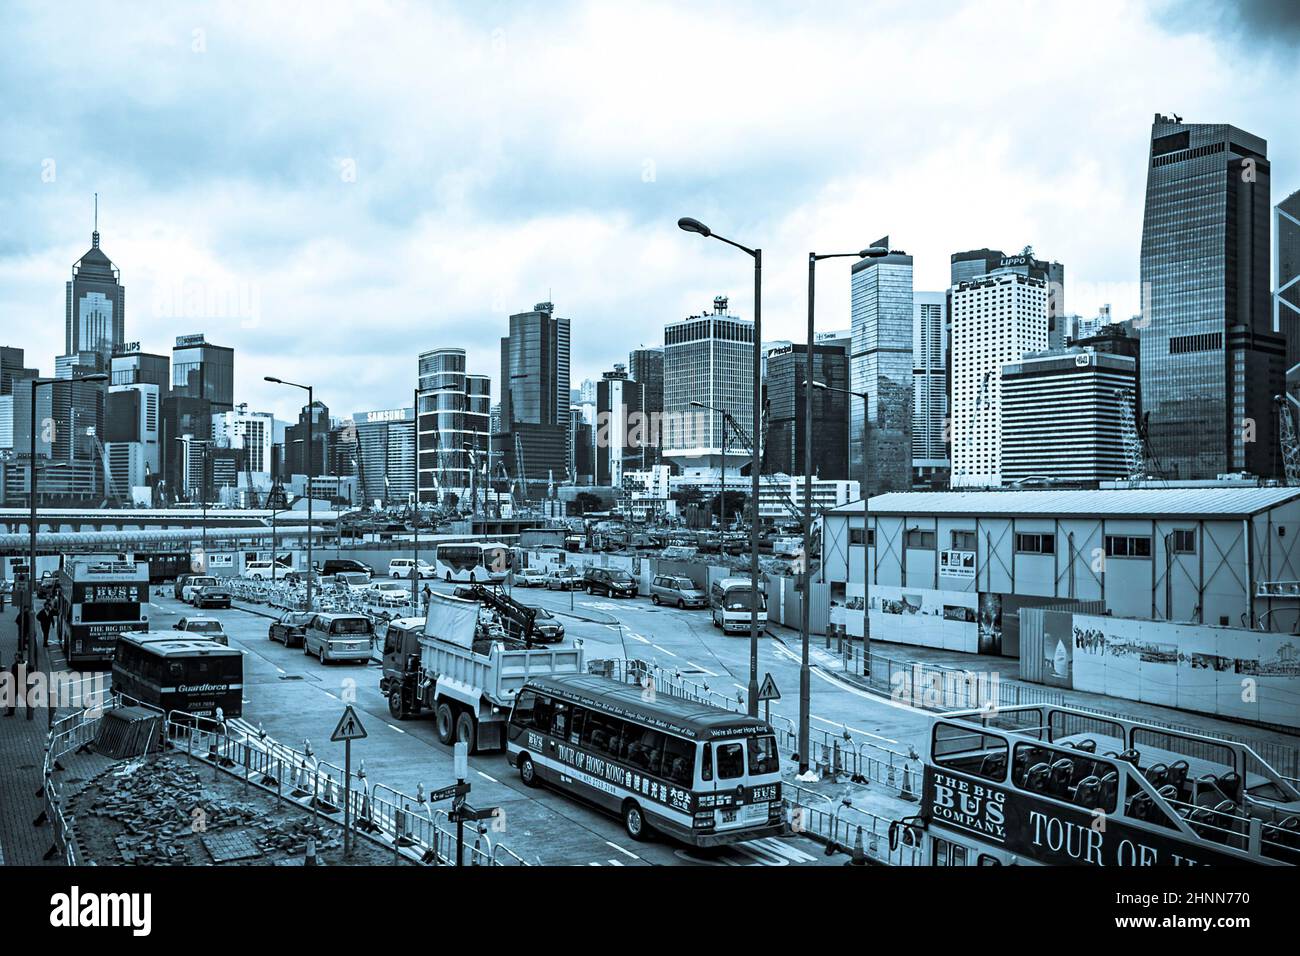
[
  {"x": 634, "y": 821},
  {"x": 527, "y": 772},
  {"x": 395, "y": 705},
  {"x": 446, "y": 721},
  {"x": 465, "y": 730}
]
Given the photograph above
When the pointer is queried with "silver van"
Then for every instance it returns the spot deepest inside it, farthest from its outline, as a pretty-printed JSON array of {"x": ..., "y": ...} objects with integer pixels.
[
  {"x": 677, "y": 590},
  {"x": 339, "y": 637}
]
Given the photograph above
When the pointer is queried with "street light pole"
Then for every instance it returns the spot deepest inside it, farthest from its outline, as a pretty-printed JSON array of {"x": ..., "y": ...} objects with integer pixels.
[
  {"x": 415, "y": 513},
  {"x": 805, "y": 611},
  {"x": 694, "y": 225},
  {"x": 311, "y": 410}
]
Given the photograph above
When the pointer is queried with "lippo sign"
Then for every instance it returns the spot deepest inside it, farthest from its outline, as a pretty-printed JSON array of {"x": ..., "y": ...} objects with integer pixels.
[{"x": 1059, "y": 836}]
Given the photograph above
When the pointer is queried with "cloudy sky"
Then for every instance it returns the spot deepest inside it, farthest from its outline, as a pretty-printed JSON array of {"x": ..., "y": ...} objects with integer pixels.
[{"x": 331, "y": 189}]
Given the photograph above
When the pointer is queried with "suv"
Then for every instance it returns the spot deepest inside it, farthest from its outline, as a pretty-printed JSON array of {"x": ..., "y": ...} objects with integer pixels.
[
  {"x": 676, "y": 590},
  {"x": 609, "y": 581},
  {"x": 336, "y": 565}
]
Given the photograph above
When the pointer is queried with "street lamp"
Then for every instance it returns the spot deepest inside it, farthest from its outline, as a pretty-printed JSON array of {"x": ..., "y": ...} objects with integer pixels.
[
  {"x": 866, "y": 399},
  {"x": 722, "y": 460},
  {"x": 415, "y": 512},
  {"x": 694, "y": 225},
  {"x": 311, "y": 449},
  {"x": 805, "y": 623},
  {"x": 32, "y": 487}
]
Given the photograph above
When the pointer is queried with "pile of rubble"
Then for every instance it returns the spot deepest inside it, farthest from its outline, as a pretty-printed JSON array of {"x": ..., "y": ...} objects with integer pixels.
[{"x": 166, "y": 809}]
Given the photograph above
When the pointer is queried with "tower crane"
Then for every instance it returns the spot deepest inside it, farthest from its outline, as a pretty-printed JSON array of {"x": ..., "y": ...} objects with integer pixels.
[
  {"x": 1288, "y": 439},
  {"x": 1134, "y": 459}
]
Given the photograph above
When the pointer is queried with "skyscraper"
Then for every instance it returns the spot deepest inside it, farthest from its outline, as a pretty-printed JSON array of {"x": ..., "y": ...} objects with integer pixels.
[
  {"x": 1286, "y": 302},
  {"x": 929, "y": 387},
  {"x": 784, "y": 398},
  {"x": 95, "y": 303},
  {"x": 1210, "y": 363},
  {"x": 708, "y": 359},
  {"x": 130, "y": 366},
  {"x": 618, "y": 399},
  {"x": 535, "y": 438},
  {"x": 453, "y": 423},
  {"x": 12, "y": 370},
  {"x": 881, "y": 367},
  {"x": 996, "y": 320},
  {"x": 203, "y": 370},
  {"x": 645, "y": 366},
  {"x": 386, "y": 454}
]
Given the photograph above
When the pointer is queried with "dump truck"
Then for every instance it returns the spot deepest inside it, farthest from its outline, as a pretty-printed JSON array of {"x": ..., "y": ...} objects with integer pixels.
[{"x": 445, "y": 664}]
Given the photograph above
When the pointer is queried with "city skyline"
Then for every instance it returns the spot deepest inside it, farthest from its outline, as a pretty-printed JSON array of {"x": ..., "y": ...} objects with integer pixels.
[{"x": 292, "y": 262}]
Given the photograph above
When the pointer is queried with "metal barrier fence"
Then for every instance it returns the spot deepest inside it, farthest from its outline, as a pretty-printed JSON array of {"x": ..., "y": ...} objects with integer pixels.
[
  {"x": 844, "y": 827},
  {"x": 407, "y": 824}
]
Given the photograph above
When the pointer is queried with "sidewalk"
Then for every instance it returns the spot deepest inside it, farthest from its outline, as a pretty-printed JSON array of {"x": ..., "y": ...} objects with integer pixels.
[
  {"x": 22, "y": 752},
  {"x": 1275, "y": 744}
]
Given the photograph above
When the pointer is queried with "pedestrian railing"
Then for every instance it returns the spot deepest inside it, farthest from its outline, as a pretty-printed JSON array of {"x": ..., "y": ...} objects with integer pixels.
[{"x": 845, "y": 828}]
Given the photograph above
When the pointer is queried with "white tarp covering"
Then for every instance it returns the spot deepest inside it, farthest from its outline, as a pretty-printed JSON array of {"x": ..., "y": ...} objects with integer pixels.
[{"x": 451, "y": 619}]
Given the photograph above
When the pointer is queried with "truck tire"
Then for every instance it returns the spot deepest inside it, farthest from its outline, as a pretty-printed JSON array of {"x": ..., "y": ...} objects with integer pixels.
[
  {"x": 634, "y": 821},
  {"x": 397, "y": 706},
  {"x": 446, "y": 721},
  {"x": 466, "y": 731},
  {"x": 527, "y": 771}
]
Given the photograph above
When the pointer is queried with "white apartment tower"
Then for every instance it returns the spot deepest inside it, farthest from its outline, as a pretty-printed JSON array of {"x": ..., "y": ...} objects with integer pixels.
[{"x": 996, "y": 320}]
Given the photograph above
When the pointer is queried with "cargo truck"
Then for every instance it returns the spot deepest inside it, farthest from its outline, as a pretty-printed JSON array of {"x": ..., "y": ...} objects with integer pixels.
[{"x": 441, "y": 664}]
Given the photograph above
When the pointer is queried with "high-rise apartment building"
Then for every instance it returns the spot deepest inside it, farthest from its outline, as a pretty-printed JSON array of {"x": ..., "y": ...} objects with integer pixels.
[
  {"x": 881, "y": 368},
  {"x": 1211, "y": 363},
  {"x": 996, "y": 320},
  {"x": 708, "y": 359},
  {"x": 929, "y": 388}
]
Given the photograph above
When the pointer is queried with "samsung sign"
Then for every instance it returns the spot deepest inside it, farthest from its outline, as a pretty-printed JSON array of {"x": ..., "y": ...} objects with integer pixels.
[{"x": 389, "y": 415}]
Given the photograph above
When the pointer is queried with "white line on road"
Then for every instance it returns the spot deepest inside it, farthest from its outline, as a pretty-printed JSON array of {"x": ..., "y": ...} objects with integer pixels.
[
  {"x": 390, "y": 726},
  {"x": 703, "y": 670},
  {"x": 852, "y": 729},
  {"x": 621, "y": 850},
  {"x": 664, "y": 649},
  {"x": 873, "y": 697},
  {"x": 487, "y": 776}
]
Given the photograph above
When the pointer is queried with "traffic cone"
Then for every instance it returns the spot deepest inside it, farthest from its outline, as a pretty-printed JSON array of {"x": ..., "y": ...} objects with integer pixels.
[
  {"x": 310, "y": 859},
  {"x": 329, "y": 802},
  {"x": 365, "y": 813},
  {"x": 300, "y": 780},
  {"x": 859, "y": 854},
  {"x": 907, "y": 793}
]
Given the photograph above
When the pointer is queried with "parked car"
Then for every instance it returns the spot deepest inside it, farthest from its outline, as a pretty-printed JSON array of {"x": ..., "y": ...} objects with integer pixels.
[
  {"x": 402, "y": 568},
  {"x": 546, "y": 627},
  {"x": 339, "y": 637},
  {"x": 563, "y": 578},
  {"x": 208, "y": 627},
  {"x": 193, "y": 582},
  {"x": 263, "y": 571},
  {"x": 178, "y": 586},
  {"x": 300, "y": 577},
  {"x": 388, "y": 593},
  {"x": 610, "y": 582},
  {"x": 290, "y": 629},
  {"x": 530, "y": 578},
  {"x": 211, "y": 595},
  {"x": 677, "y": 590},
  {"x": 354, "y": 581},
  {"x": 339, "y": 565}
]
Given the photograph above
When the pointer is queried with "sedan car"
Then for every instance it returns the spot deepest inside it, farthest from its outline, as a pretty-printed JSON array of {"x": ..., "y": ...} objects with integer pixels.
[
  {"x": 290, "y": 629},
  {"x": 530, "y": 578},
  {"x": 208, "y": 627},
  {"x": 211, "y": 595},
  {"x": 564, "y": 578},
  {"x": 546, "y": 627},
  {"x": 389, "y": 593}
]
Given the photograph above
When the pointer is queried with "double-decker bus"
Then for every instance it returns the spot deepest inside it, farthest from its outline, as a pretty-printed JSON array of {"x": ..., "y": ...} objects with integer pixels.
[
  {"x": 100, "y": 597},
  {"x": 698, "y": 773},
  {"x": 176, "y": 671},
  {"x": 1047, "y": 785},
  {"x": 474, "y": 561},
  {"x": 731, "y": 600}
]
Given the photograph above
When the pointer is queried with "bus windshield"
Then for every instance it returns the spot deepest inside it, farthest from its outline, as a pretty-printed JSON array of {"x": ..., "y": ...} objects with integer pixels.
[{"x": 741, "y": 599}]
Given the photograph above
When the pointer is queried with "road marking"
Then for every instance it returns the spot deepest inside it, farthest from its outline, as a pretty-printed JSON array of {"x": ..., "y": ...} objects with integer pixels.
[
  {"x": 281, "y": 669},
  {"x": 703, "y": 670},
  {"x": 664, "y": 649},
  {"x": 486, "y": 776},
  {"x": 328, "y": 694},
  {"x": 873, "y": 697},
  {"x": 390, "y": 726},
  {"x": 852, "y": 729},
  {"x": 621, "y": 850}
]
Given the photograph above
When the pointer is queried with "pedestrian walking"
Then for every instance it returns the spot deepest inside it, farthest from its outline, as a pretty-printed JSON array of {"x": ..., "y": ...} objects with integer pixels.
[
  {"x": 428, "y": 596},
  {"x": 45, "y": 617},
  {"x": 20, "y": 685},
  {"x": 24, "y": 621}
]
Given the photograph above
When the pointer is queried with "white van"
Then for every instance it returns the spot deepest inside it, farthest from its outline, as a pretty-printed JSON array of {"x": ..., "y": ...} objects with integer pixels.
[
  {"x": 263, "y": 571},
  {"x": 339, "y": 637},
  {"x": 402, "y": 568},
  {"x": 732, "y": 600}
]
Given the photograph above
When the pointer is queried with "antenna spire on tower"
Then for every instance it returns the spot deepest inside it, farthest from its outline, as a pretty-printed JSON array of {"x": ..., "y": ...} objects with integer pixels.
[{"x": 94, "y": 237}]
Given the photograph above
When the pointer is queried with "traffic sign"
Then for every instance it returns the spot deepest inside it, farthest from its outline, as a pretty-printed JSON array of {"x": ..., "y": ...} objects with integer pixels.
[
  {"x": 768, "y": 691},
  {"x": 349, "y": 727},
  {"x": 447, "y": 793}
]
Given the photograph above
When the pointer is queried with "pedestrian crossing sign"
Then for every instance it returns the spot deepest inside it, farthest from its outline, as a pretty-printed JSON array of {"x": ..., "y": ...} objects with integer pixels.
[
  {"x": 768, "y": 691},
  {"x": 349, "y": 727}
]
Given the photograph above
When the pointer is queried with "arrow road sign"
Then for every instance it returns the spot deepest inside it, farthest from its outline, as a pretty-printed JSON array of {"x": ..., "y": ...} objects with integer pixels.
[
  {"x": 446, "y": 793},
  {"x": 349, "y": 727},
  {"x": 768, "y": 691}
]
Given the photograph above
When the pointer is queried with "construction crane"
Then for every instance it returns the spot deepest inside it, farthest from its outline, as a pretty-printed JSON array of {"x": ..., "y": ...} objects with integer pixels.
[
  {"x": 520, "y": 474},
  {"x": 109, "y": 485},
  {"x": 771, "y": 483},
  {"x": 1288, "y": 439},
  {"x": 1134, "y": 459}
]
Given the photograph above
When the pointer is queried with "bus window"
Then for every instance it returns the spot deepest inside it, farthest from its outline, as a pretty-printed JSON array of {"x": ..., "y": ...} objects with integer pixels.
[
  {"x": 763, "y": 757},
  {"x": 679, "y": 760},
  {"x": 731, "y": 761},
  {"x": 948, "y": 854},
  {"x": 543, "y": 711},
  {"x": 646, "y": 750},
  {"x": 525, "y": 704},
  {"x": 560, "y": 721},
  {"x": 959, "y": 748}
]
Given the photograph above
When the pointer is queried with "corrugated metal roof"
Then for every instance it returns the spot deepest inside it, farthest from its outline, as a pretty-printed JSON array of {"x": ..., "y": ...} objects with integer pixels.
[{"x": 1137, "y": 502}]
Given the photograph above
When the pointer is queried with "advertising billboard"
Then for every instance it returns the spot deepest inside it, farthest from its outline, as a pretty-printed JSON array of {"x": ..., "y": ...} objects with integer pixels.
[{"x": 925, "y": 617}]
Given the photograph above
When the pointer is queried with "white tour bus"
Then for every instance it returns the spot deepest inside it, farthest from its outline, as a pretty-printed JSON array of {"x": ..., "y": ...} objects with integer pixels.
[
  {"x": 477, "y": 561},
  {"x": 730, "y": 600},
  {"x": 698, "y": 773}
]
